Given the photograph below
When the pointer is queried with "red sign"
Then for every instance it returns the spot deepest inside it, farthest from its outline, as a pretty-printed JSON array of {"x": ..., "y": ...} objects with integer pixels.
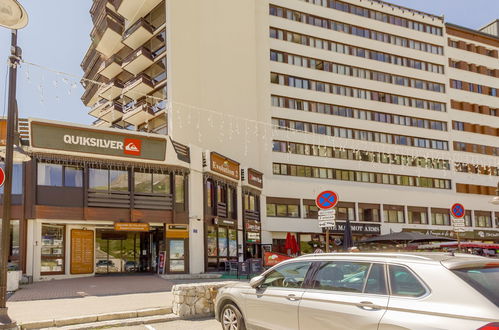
[
  {"x": 457, "y": 210},
  {"x": 272, "y": 258},
  {"x": 326, "y": 200},
  {"x": 2, "y": 177},
  {"x": 132, "y": 147}
]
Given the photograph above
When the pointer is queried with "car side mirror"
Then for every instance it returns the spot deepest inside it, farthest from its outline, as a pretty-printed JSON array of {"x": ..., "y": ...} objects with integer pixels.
[{"x": 256, "y": 281}]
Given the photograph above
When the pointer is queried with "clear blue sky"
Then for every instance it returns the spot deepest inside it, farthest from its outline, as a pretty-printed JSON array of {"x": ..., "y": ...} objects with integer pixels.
[{"x": 57, "y": 36}]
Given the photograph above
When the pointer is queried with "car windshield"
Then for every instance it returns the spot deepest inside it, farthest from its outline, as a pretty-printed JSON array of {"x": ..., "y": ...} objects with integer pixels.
[{"x": 484, "y": 279}]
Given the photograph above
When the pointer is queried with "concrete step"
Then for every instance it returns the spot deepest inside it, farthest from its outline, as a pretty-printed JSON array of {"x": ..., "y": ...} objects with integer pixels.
[
  {"x": 142, "y": 315},
  {"x": 191, "y": 276},
  {"x": 119, "y": 323}
]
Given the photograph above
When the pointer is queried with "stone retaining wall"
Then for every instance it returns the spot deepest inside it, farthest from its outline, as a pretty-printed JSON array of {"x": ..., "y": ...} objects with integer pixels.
[{"x": 195, "y": 299}]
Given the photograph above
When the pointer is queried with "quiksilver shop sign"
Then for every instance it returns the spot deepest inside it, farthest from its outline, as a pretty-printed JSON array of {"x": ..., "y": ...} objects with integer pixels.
[{"x": 94, "y": 141}]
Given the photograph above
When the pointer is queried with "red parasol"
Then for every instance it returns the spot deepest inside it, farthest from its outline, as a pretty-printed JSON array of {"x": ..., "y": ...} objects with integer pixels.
[
  {"x": 288, "y": 244},
  {"x": 294, "y": 246}
]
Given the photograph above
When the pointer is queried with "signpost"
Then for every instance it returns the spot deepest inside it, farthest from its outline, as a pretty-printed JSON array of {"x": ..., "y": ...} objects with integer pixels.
[
  {"x": 2, "y": 177},
  {"x": 457, "y": 215},
  {"x": 326, "y": 201}
]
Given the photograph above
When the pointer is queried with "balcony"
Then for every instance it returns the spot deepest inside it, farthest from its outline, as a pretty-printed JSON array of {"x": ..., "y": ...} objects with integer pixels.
[
  {"x": 101, "y": 123},
  {"x": 138, "y": 61},
  {"x": 107, "y": 32},
  {"x": 98, "y": 6},
  {"x": 111, "y": 67},
  {"x": 137, "y": 34},
  {"x": 112, "y": 112},
  {"x": 133, "y": 10},
  {"x": 222, "y": 210},
  {"x": 251, "y": 215},
  {"x": 138, "y": 87},
  {"x": 90, "y": 95},
  {"x": 139, "y": 113},
  {"x": 97, "y": 107},
  {"x": 111, "y": 90}
]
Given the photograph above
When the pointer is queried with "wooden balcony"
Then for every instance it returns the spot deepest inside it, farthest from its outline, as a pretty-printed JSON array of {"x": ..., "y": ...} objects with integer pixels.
[
  {"x": 252, "y": 215},
  {"x": 222, "y": 210}
]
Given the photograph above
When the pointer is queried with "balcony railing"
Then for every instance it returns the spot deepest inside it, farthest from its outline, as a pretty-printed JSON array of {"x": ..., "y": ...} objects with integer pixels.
[
  {"x": 138, "y": 86},
  {"x": 138, "y": 33},
  {"x": 111, "y": 67},
  {"x": 138, "y": 61},
  {"x": 153, "y": 201},
  {"x": 108, "y": 199}
]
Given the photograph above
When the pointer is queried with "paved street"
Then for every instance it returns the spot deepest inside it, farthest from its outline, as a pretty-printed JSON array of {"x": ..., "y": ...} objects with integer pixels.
[{"x": 204, "y": 324}]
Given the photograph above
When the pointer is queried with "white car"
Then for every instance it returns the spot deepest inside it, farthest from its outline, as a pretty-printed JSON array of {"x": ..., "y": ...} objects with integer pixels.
[{"x": 367, "y": 291}]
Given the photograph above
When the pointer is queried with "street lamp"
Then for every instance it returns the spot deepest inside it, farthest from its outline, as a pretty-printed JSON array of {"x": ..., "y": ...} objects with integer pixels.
[
  {"x": 12, "y": 16},
  {"x": 495, "y": 200}
]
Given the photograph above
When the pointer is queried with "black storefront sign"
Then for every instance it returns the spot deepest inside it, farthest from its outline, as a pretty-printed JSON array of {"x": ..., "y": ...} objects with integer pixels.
[{"x": 357, "y": 228}]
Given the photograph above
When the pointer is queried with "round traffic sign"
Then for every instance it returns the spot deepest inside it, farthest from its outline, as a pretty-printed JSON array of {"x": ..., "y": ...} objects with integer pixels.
[
  {"x": 2, "y": 176},
  {"x": 326, "y": 200},
  {"x": 457, "y": 210}
]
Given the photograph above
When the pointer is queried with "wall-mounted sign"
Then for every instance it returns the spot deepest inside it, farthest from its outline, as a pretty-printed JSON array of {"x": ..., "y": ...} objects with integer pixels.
[
  {"x": 252, "y": 226},
  {"x": 224, "y": 165},
  {"x": 255, "y": 178},
  {"x": 131, "y": 226},
  {"x": 442, "y": 232},
  {"x": 361, "y": 228},
  {"x": 224, "y": 222},
  {"x": 82, "y": 251},
  {"x": 177, "y": 231},
  {"x": 94, "y": 141},
  {"x": 487, "y": 235},
  {"x": 252, "y": 237}
]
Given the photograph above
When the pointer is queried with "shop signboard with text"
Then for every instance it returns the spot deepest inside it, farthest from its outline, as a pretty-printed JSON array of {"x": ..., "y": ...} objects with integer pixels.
[
  {"x": 224, "y": 166},
  {"x": 272, "y": 258},
  {"x": 255, "y": 178},
  {"x": 357, "y": 228},
  {"x": 61, "y": 137}
]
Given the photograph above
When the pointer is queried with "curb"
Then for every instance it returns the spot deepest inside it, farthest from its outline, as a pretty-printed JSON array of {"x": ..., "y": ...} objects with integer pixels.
[
  {"x": 107, "y": 317},
  {"x": 122, "y": 322}
]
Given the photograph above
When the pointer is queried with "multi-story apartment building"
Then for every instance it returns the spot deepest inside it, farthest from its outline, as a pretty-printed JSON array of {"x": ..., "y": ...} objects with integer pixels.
[{"x": 394, "y": 109}]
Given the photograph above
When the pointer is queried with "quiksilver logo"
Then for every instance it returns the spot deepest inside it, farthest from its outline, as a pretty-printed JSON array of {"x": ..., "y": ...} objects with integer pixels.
[{"x": 131, "y": 147}]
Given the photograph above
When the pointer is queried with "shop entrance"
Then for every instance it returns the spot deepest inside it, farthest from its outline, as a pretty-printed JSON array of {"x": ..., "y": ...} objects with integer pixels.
[{"x": 127, "y": 252}]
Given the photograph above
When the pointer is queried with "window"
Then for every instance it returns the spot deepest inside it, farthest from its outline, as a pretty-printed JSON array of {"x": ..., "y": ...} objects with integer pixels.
[
  {"x": 341, "y": 276},
  {"x": 417, "y": 216},
  {"x": 393, "y": 213},
  {"x": 52, "y": 249},
  {"x": 287, "y": 276},
  {"x": 404, "y": 283},
  {"x": 149, "y": 183},
  {"x": 483, "y": 219},
  {"x": 368, "y": 213},
  {"x": 17, "y": 179},
  {"x": 180, "y": 192},
  {"x": 59, "y": 175},
  {"x": 440, "y": 217},
  {"x": 283, "y": 210},
  {"x": 14, "y": 245},
  {"x": 311, "y": 211}
]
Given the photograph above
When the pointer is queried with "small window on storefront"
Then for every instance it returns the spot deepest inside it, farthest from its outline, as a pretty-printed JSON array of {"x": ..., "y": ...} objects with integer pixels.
[
  {"x": 14, "y": 245},
  {"x": 211, "y": 241},
  {"x": 59, "y": 175},
  {"x": 180, "y": 192},
  {"x": 52, "y": 249},
  {"x": 108, "y": 180}
]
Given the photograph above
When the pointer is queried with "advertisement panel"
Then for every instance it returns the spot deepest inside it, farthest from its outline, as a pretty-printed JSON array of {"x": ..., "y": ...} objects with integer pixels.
[
  {"x": 273, "y": 258},
  {"x": 94, "y": 141}
]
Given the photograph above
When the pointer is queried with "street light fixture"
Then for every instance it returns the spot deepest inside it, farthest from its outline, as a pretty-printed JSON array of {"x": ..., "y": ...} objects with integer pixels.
[{"x": 12, "y": 16}]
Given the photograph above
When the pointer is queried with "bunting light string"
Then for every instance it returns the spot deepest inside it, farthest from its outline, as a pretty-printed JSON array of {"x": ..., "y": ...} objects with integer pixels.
[{"x": 318, "y": 139}]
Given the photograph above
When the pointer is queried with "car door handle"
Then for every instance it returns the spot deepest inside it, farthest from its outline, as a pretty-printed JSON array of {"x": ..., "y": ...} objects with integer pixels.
[
  {"x": 292, "y": 297},
  {"x": 368, "y": 306}
]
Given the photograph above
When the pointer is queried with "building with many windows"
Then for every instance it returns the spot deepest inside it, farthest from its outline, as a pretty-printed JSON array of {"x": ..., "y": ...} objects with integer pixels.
[{"x": 394, "y": 109}]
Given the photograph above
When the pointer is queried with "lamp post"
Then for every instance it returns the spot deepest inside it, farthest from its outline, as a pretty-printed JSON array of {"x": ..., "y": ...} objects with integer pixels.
[{"x": 12, "y": 16}]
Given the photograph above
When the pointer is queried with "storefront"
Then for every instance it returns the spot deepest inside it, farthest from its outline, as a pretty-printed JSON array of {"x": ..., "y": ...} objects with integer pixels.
[
  {"x": 100, "y": 202},
  {"x": 220, "y": 213},
  {"x": 252, "y": 229}
]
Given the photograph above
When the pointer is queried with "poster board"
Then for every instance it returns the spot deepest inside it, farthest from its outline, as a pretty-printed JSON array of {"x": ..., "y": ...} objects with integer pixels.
[{"x": 82, "y": 251}]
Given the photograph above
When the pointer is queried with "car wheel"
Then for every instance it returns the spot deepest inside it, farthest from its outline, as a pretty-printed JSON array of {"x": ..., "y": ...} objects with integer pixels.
[{"x": 231, "y": 318}]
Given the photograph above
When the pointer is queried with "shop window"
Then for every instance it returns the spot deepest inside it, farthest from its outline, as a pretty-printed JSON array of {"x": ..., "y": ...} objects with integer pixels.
[
  {"x": 179, "y": 193},
  {"x": 17, "y": 179},
  {"x": 152, "y": 183},
  {"x": 211, "y": 241},
  {"x": 231, "y": 203},
  {"x": 467, "y": 219},
  {"x": 52, "y": 249},
  {"x": 210, "y": 195},
  {"x": 14, "y": 245},
  {"x": 108, "y": 180},
  {"x": 417, "y": 216},
  {"x": 59, "y": 175}
]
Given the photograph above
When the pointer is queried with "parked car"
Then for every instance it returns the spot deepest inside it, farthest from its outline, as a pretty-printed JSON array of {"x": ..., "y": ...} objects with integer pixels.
[
  {"x": 130, "y": 266},
  {"x": 105, "y": 263},
  {"x": 367, "y": 291}
]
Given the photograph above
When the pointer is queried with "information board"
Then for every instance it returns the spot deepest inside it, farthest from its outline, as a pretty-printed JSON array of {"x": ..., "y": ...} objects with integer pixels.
[{"x": 82, "y": 251}]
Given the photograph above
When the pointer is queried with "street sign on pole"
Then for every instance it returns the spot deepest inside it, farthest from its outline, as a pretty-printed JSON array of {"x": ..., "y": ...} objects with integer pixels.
[
  {"x": 2, "y": 177},
  {"x": 326, "y": 200},
  {"x": 457, "y": 210}
]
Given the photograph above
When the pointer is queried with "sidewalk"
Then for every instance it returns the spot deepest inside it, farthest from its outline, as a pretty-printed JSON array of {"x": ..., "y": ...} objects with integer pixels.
[{"x": 70, "y": 298}]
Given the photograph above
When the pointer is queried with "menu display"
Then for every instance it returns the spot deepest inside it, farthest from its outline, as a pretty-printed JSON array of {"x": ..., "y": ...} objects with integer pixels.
[
  {"x": 52, "y": 249},
  {"x": 82, "y": 251}
]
